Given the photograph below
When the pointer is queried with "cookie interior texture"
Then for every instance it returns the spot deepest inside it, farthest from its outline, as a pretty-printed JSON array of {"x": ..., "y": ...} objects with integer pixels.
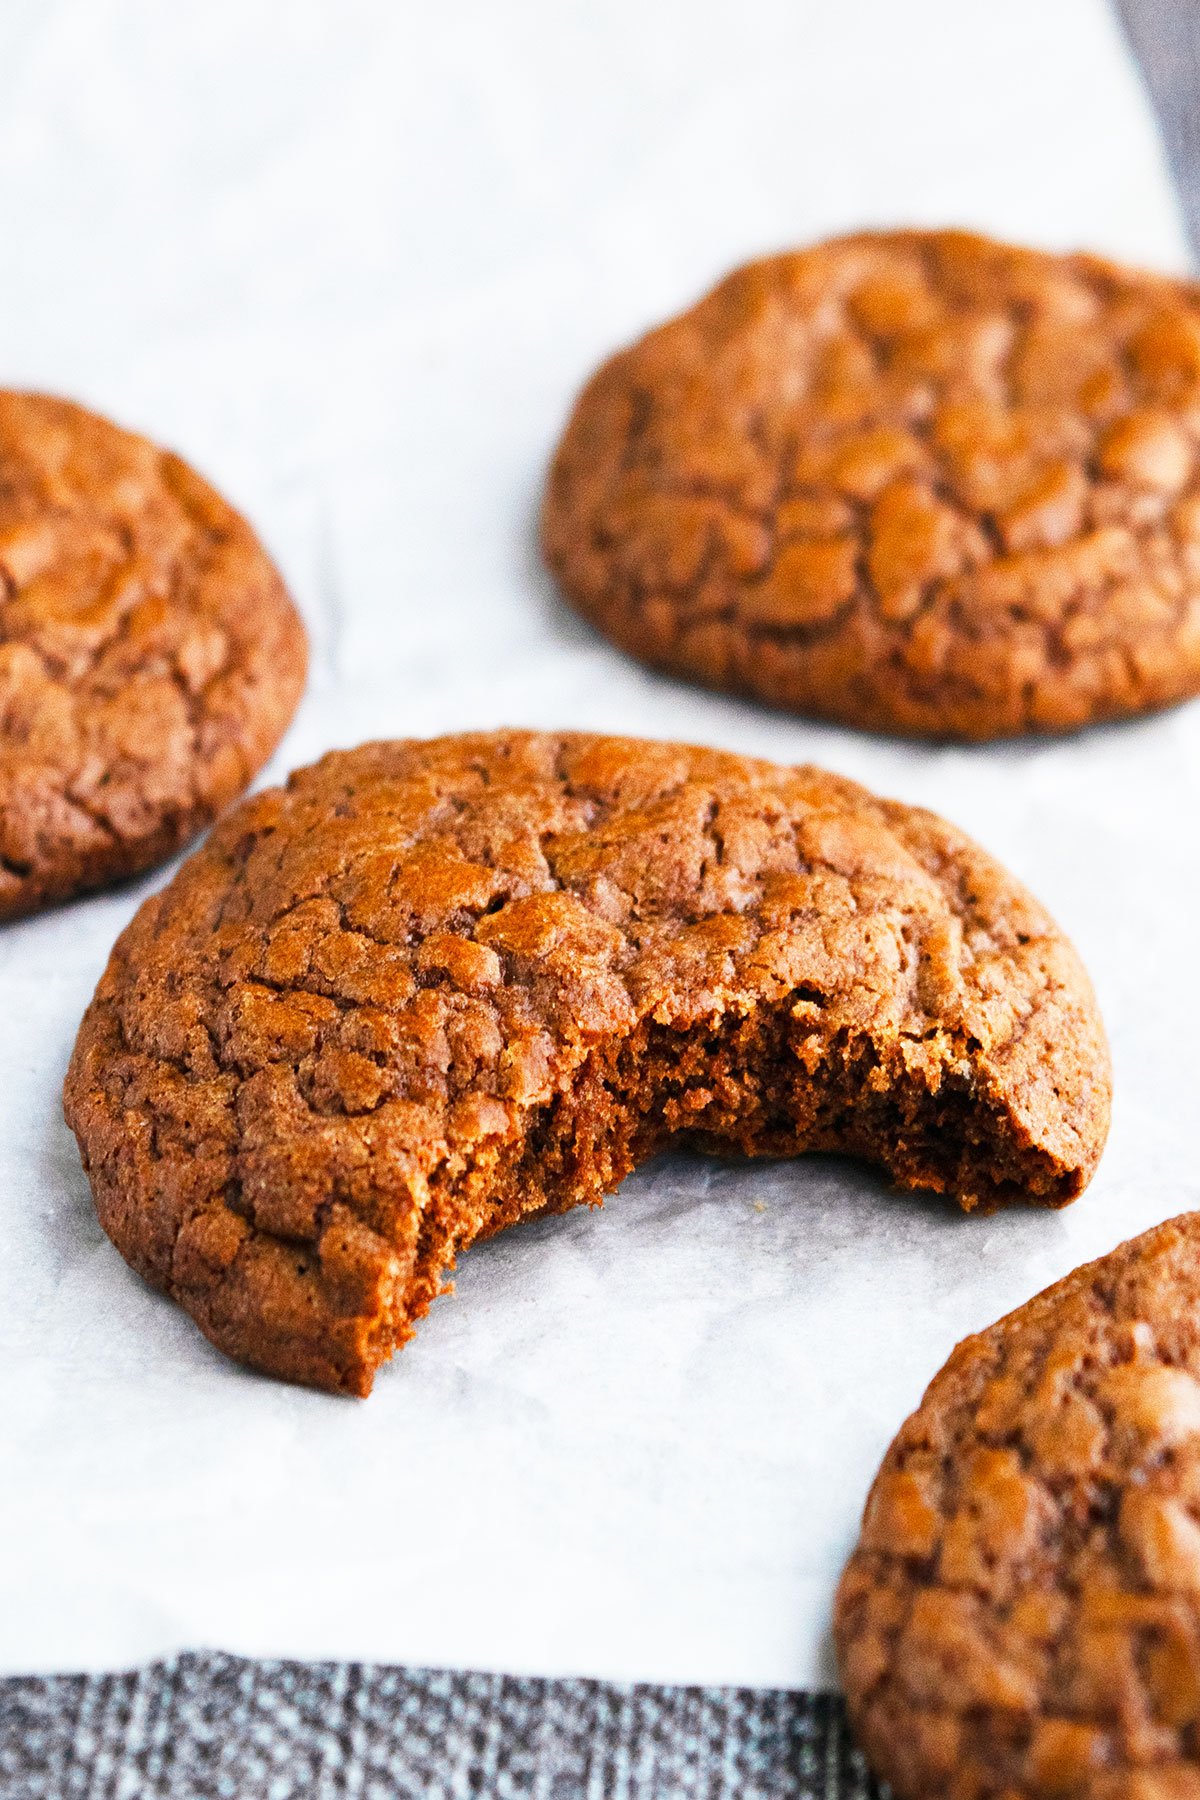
[
  {"x": 918, "y": 482},
  {"x": 432, "y": 988},
  {"x": 150, "y": 658},
  {"x": 1022, "y": 1613}
]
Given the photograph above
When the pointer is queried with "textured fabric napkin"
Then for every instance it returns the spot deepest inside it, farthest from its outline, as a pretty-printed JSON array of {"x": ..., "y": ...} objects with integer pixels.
[{"x": 355, "y": 268}]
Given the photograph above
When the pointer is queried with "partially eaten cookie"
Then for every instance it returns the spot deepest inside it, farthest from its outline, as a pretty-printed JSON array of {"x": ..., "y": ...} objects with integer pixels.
[{"x": 432, "y": 988}]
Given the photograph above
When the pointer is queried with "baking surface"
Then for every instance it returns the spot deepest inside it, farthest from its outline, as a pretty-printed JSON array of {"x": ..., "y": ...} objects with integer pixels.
[{"x": 356, "y": 276}]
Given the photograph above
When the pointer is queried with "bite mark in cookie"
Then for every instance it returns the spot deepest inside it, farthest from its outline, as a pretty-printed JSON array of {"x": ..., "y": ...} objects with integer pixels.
[
  {"x": 1022, "y": 1612},
  {"x": 432, "y": 988},
  {"x": 150, "y": 658},
  {"x": 918, "y": 482}
]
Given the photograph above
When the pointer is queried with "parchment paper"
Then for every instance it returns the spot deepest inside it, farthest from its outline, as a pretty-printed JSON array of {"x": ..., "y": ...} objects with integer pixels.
[{"x": 354, "y": 261}]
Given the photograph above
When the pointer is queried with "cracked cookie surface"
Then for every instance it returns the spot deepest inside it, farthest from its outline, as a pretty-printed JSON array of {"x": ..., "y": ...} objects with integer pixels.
[
  {"x": 1022, "y": 1613},
  {"x": 431, "y": 988},
  {"x": 918, "y": 482},
  {"x": 150, "y": 658}
]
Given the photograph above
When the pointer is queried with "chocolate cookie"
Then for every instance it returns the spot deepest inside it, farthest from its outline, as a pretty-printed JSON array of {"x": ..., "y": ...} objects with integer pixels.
[
  {"x": 1022, "y": 1613},
  {"x": 150, "y": 658},
  {"x": 915, "y": 481},
  {"x": 429, "y": 989}
]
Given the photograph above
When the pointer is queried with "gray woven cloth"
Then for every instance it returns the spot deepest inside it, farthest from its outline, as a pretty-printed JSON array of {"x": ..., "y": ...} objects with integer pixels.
[
  {"x": 217, "y": 1728},
  {"x": 1165, "y": 35},
  {"x": 213, "y": 1727}
]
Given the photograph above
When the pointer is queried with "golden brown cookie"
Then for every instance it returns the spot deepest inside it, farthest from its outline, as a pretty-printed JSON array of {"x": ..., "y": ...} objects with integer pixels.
[
  {"x": 1022, "y": 1613},
  {"x": 431, "y": 988},
  {"x": 150, "y": 657},
  {"x": 918, "y": 482}
]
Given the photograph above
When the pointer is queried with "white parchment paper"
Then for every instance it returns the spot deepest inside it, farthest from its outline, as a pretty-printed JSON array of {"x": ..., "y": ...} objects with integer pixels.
[{"x": 354, "y": 261}]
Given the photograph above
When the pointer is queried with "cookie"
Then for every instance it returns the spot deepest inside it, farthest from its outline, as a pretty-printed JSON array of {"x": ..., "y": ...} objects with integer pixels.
[
  {"x": 917, "y": 482},
  {"x": 150, "y": 657},
  {"x": 1022, "y": 1613},
  {"x": 431, "y": 988}
]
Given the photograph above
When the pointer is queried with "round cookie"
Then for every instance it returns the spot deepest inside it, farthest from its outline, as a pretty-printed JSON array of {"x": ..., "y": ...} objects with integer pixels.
[
  {"x": 1022, "y": 1613},
  {"x": 432, "y": 988},
  {"x": 918, "y": 482},
  {"x": 150, "y": 658}
]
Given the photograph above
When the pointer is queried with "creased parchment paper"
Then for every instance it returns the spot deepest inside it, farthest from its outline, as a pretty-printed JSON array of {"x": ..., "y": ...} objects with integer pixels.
[{"x": 354, "y": 261}]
